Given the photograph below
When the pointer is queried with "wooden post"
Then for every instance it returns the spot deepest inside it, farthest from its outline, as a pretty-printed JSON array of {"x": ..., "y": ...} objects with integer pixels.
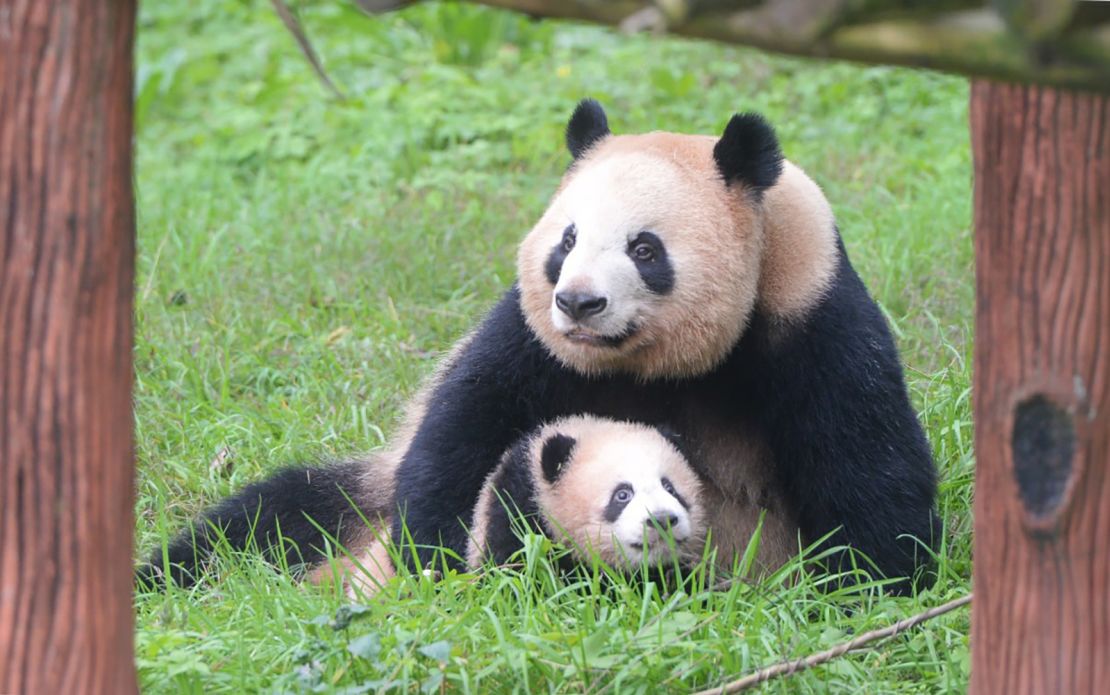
[
  {"x": 1041, "y": 618},
  {"x": 66, "y": 275}
]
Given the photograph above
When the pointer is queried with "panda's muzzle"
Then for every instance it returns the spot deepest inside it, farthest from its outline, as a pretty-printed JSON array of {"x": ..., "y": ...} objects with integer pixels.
[
  {"x": 660, "y": 525},
  {"x": 667, "y": 520},
  {"x": 580, "y": 305},
  {"x": 581, "y": 335}
]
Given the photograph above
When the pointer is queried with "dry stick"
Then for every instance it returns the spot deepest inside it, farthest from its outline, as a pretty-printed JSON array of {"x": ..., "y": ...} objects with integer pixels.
[
  {"x": 294, "y": 26},
  {"x": 785, "y": 668}
]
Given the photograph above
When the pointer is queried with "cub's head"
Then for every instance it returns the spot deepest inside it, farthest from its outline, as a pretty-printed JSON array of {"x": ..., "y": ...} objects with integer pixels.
[
  {"x": 619, "y": 489},
  {"x": 648, "y": 259}
]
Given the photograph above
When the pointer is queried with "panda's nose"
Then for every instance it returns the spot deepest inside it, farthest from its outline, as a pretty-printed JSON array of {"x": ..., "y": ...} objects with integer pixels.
[
  {"x": 665, "y": 520},
  {"x": 580, "y": 305}
]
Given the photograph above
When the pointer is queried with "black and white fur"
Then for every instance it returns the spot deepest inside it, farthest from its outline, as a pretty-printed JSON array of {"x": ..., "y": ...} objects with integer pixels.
[
  {"x": 619, "y": 491},
  {"x": 295, "y": 517},
  {"x": 730, "y": 311},
  {"x": 678, "y": 279}
]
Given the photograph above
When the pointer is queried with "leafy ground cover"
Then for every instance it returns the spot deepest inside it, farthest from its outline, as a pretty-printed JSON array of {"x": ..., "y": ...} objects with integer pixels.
[{"x": 304, "y": 260}]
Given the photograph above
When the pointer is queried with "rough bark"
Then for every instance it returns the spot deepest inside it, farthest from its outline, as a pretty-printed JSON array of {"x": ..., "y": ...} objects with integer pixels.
[
  {"x": 1041, "y": 618},
  {"x": 66, "y": 273}
]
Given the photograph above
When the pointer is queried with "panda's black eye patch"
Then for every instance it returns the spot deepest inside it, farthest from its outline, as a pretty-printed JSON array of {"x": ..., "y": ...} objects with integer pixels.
[
  {"x": 559, "y": 253},
  {"x": 570, "y": 235},
  {"x": 669, "y": 487},
  {"x": 650, "y": 256},
  {"x": 620, "y": 498}
]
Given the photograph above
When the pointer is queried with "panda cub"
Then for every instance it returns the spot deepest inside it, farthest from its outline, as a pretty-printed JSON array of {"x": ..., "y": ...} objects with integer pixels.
[{"x": 618, "y": 491}]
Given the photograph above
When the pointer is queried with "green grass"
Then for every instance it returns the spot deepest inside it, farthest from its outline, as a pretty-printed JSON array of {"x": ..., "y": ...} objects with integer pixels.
[{"x": 303, "y": 262}]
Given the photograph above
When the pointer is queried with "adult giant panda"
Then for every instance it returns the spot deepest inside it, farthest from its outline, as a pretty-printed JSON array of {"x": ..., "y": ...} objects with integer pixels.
[
  {"x": 681, "y": 279},
  {"x": 699, "y": 281}
]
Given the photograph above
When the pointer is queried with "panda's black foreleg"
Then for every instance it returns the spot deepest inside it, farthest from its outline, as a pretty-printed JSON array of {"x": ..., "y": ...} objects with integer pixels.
[
  {"x": 491, "y": 394},
  {"x": 848, "y": 447},
  {"x": 435, "y": 503}
]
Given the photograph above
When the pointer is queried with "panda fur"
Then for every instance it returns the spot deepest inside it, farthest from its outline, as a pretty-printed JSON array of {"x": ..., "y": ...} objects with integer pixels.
[
  {"x": 699, "y": 281},
  {"x": 602, "y": 488},
  {"x": 692, "y": 280},
  {"x": 620, "y": 492},
  {"x": 567, "y": 479}
]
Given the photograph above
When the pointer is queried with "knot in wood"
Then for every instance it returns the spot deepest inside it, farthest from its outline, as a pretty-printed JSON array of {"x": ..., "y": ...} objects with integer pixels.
[{"x": 1043, "y": 446}]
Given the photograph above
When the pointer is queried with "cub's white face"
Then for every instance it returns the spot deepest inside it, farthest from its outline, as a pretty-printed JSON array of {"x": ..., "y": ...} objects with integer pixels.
[
  {"x": 645, "y": 261},
  {"x": 647, "y": 517},
  {"x": 620, "y": 490}
]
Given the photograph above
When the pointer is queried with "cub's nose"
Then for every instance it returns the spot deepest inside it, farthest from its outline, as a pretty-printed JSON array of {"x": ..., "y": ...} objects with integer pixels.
[
  {"x": 579, "y": 305},
  {"x": 665, "y": 520}
]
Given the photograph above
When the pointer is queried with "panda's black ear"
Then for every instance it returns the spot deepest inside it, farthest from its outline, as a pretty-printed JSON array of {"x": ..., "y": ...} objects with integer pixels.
[
  {"x": 587, "y": 126},
  {"x": 555, "y": 455},
  {"x": 674, "y": 438},
  {"x": 748, "y": 152}
]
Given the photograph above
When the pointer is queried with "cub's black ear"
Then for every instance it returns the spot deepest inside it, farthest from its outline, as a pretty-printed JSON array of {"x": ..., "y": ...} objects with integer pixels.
[
  {"x": 555, "y": 455},
  {"x": 748, "y": 152},
  {"x": 586, "y": 127},
  {"x": 674, "y": 438}
]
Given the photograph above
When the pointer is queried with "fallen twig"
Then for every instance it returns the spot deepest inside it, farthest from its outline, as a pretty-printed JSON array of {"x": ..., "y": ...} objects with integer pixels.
[
  {"x": 294, "y": 26},
  {"x": 786, "y": 668}
]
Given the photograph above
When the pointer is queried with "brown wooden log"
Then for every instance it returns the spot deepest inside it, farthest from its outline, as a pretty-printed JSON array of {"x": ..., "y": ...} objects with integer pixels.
[
  {"x": 1053, "y": 42},
  {"x": 66, "y": 273},
  {"x": 1041, "y": 619}
]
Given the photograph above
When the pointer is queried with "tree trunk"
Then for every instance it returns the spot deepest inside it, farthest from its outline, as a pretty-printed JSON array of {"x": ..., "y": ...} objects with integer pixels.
[
  {"x": 1041, "y": 618},
  {"x": 66, "y": 273}
]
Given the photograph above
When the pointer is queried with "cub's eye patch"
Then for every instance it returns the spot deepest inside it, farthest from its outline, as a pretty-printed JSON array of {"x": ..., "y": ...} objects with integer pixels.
[
  {"x": 570, "y": 236},
  {"x": 643, "y": 252},
  {"x": 620, "y": 498},
  {"x": 669, "y": 487}
]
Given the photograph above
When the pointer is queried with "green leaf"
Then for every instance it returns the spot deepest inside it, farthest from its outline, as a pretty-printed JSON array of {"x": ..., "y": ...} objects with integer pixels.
[
  {"x": 432, "y": 683},
  {"x": 440, "y": 651},
  {"x": 345, "y": 615},
  {"x": 366, "y": 647},
  {"x": 595, "y": 643}
]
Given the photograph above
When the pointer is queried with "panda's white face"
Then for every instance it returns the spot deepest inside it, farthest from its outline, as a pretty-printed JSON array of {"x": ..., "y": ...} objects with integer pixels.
[
  {"x": 618, "y": 489},
  {"x": 645, "y": 261},
  {"x": 646, "y": 517},
  {"x": 611, "y": 269}
]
